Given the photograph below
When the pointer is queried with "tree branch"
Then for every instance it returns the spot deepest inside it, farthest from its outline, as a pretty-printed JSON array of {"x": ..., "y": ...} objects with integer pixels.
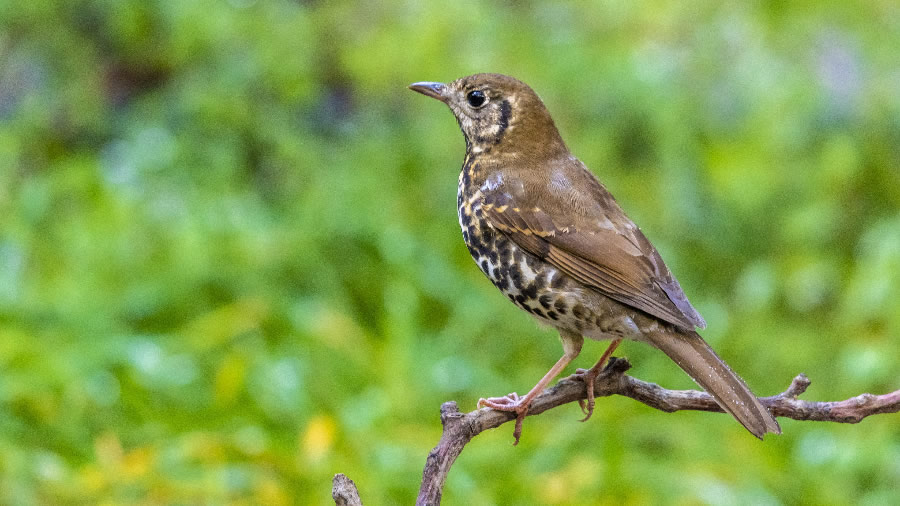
[
  {"x": 460, "y": 428},
  {"x": 344, "y": 492}
]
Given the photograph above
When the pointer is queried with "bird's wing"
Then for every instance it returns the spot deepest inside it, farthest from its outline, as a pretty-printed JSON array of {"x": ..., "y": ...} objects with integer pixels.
[{"x": 594, "y": 243}]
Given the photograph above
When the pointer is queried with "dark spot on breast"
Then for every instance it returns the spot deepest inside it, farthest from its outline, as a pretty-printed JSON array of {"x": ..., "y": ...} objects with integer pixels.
[
  {"x": 515, "y": 275},
  {"x": 579, "y": 311},
  {"x": 503, "y": 250},
  {"x": 467, "y": 177},
  {"x": 538, "y": 312},
  {"x": 558, "y": 281},
  {"x": 520, "y": 299},
  {"x": 466, "y": 219},
  {"x": 511, "y": 297},
  {"x": 545, "y": 300},
  {"x": 475, "y": 241},
  {"x": 530, "y": 291},
  {"x": 552, "y": 315},
  {"x": 484, "y": 265},
  {"x": 541, "y": 278},
  {"x": 502, "y": 275},
  {"x": 560, "y": 306},
  {"x": 487, "y": 233},
  {"x": 517, "y": 256},
  {"x": 493, "y": 256},
  {"x": 531, "y": 262}
]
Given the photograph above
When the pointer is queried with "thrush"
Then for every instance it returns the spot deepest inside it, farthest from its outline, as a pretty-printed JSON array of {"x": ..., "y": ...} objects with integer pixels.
[{"x": 551, "y": 237}]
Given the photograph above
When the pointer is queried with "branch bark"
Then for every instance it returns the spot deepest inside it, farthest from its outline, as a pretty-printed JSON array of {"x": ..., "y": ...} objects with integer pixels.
[
  {"x": 344, "y": 492},
  {"x": 460, "y": 428}
]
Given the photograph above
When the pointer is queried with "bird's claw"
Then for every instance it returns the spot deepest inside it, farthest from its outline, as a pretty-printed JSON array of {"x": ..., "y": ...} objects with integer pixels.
[
  {"x": 506, "y": 403},
  {"x": 510, "y": 403},
  {"x": 588, "y": 376}
]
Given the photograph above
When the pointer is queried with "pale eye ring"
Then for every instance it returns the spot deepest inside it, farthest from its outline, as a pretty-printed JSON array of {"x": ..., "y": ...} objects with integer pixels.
[{"x": 476, "y": 98}]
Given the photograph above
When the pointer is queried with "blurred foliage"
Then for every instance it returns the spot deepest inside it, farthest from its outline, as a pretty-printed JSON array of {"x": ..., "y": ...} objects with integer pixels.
[{"x": 230, "y": 264}]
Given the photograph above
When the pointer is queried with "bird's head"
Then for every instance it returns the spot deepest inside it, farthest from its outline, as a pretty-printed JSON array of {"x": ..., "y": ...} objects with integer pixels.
[{"x": 496, "y": 112}]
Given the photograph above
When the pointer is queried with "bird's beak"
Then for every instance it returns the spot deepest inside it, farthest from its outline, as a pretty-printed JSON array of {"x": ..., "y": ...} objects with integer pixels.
[{"x": 433, "y": 90}]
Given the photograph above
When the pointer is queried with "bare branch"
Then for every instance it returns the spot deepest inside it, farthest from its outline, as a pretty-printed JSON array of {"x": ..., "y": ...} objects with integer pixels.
[
  {"x": 344, "y": 492},
  {"x": 460, "y": 428}
]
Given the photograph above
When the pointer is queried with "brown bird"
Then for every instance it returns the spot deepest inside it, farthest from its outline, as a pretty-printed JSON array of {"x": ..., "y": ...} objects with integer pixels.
[{"x": 550, "y": 236}]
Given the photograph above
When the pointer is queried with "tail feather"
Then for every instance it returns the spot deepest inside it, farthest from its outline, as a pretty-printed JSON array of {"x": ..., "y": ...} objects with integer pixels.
[{"x": 692, "y": 354}]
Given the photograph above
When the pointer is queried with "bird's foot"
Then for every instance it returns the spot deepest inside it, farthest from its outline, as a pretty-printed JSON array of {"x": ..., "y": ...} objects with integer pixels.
[
  {"x": 512, "y": 403},
  {"x": 588, "y": 376},
  {"x": 500, "y": 403}
]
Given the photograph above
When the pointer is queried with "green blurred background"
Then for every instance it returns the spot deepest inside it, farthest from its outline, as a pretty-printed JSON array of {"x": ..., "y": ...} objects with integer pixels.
[{"x": 230, "y": 264}]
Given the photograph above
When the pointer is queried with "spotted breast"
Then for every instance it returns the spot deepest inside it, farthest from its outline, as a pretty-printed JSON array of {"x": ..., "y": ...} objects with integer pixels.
[{"x": 533, "y": 285}]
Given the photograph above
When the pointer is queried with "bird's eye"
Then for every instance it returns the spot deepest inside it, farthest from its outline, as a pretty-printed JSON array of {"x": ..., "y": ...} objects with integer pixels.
[{"x": 476, "y": 98}]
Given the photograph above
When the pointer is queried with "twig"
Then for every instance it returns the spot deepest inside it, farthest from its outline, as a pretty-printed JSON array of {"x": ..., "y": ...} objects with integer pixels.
[
  {"x": 344, "y": 492},
  {"x": 460, "y": 428}
]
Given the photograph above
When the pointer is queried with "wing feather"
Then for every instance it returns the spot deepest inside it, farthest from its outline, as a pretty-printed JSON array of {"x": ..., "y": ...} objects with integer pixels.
[{"x": 616, "y": 262}]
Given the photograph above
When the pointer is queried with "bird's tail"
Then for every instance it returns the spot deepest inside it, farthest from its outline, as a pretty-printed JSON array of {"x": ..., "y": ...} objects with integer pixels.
[{"x": 692, "y": 354}]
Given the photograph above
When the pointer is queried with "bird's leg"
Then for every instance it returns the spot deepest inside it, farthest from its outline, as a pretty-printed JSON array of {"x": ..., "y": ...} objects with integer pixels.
[
  {"x": 512, "y": 402},
  {"x": 589, "y": 375}
]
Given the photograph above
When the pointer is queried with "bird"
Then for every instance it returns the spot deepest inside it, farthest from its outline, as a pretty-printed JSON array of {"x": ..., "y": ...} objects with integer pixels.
[{"x": 551, "y": 237}]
